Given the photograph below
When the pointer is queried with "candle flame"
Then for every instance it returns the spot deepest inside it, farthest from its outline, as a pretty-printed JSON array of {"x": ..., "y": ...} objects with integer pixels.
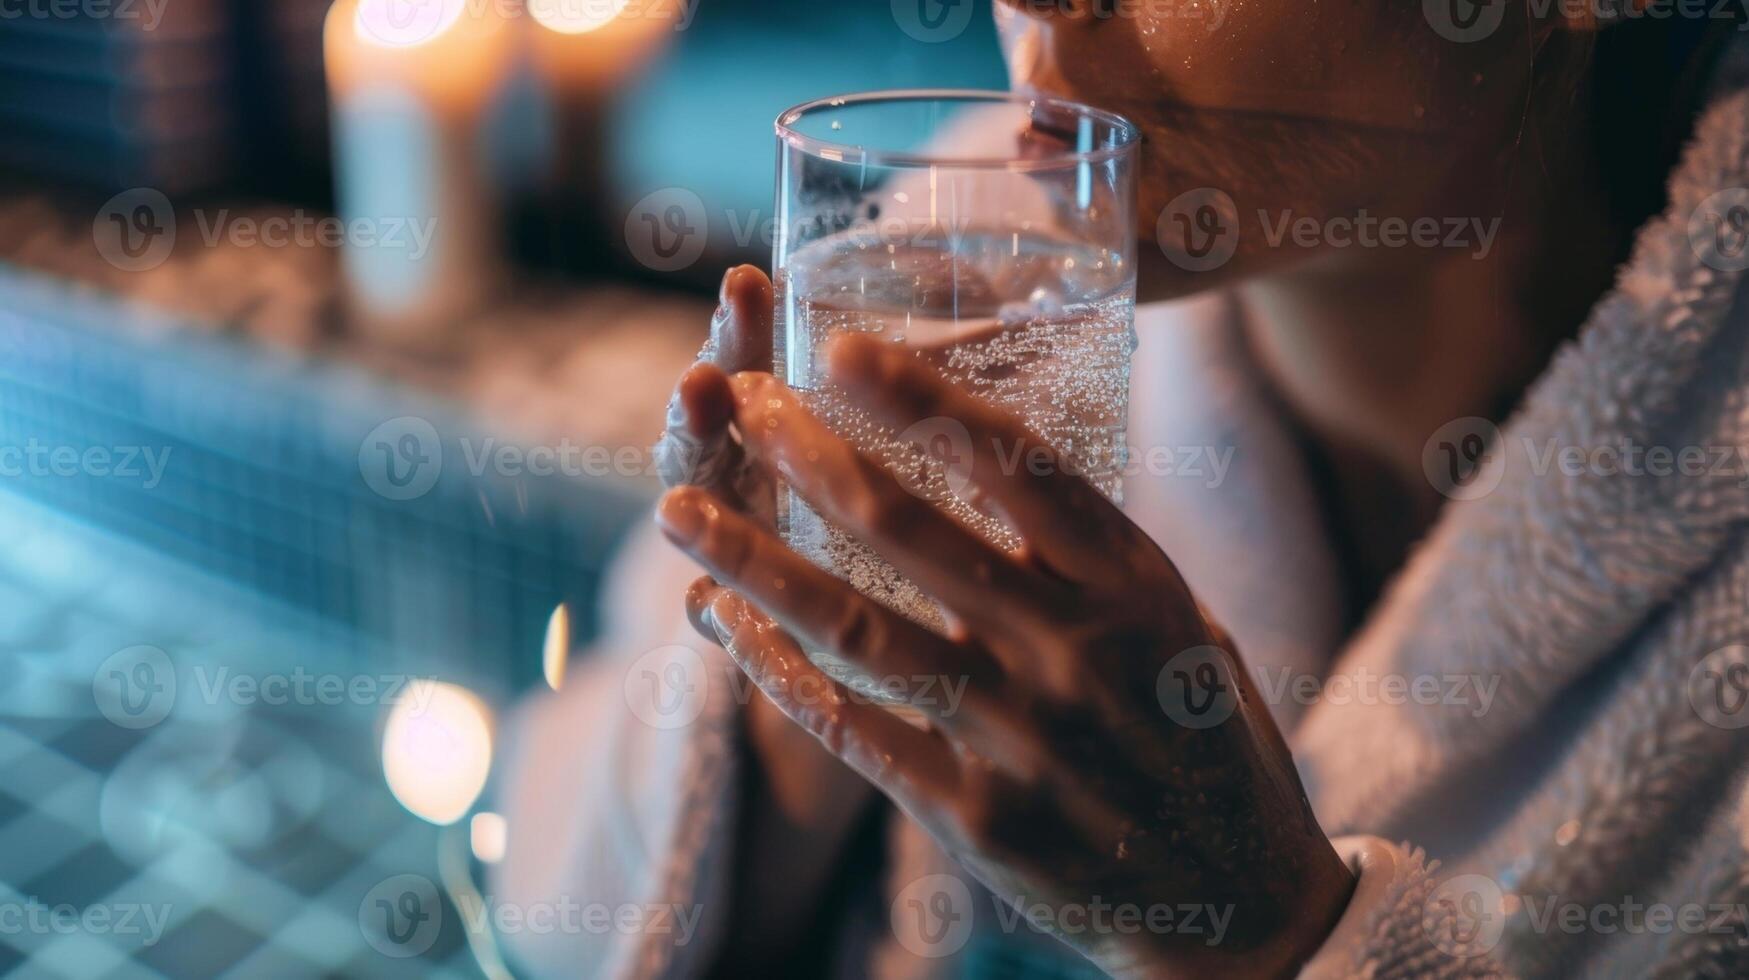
[
  {"x": 575, "y": 16},
  {"x": 405, "y": 23}
]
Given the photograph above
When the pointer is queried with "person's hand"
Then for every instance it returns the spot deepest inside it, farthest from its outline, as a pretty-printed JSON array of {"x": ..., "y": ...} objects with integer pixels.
[
  {"x": 802, "y": 801},
  {"x": 1109, "y": 750}
]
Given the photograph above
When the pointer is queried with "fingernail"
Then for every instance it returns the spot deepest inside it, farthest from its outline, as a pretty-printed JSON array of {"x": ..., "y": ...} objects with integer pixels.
[
  {"x": 723, "y": 288},
  {"x": 680, "y": 516},
  {"x": 726, "y": 614}
]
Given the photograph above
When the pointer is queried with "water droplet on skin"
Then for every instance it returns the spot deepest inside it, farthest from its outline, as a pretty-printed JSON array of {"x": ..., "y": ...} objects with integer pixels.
[{"x": 1567, "y": 833}]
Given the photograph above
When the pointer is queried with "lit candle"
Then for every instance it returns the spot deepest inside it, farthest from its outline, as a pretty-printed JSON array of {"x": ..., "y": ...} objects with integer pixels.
[
  {"x": 413, "y": 84},
  {"x": 583, "y": 51},
  {"x": 584, "y": 47}
]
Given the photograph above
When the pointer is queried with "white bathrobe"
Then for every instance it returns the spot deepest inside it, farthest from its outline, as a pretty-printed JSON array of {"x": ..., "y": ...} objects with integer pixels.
[{"x": 1571, "y": 765}]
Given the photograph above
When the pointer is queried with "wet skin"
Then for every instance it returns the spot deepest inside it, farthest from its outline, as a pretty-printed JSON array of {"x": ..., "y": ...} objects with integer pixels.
[{"x": 1060, "y": 777}]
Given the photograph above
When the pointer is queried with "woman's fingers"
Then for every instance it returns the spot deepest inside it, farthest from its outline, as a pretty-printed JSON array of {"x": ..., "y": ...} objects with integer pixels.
[
  {"x": 913, "y": 766},
  {"x": 888, "y": 652},
  {"x": 978, "y": 582},
  {"x": 1066, "y": 522},
  {"x": 696, "y": 448},
  {"x": 741, "y": 331}
]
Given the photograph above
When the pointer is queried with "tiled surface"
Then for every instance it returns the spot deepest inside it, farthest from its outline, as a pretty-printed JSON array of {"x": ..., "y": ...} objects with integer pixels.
[
  {"x": 253, "y": 834},
  {"x": 259, "y": 832}
]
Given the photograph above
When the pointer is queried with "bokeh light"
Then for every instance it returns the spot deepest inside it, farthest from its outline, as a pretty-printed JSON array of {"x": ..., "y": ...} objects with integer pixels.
[
  {"x": 575, "y": 16},
  {"x": 437, "y": 750}
]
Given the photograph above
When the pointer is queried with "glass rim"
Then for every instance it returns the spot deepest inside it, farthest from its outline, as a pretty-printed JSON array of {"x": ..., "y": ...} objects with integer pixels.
[{"x": 1129, "y": 135}]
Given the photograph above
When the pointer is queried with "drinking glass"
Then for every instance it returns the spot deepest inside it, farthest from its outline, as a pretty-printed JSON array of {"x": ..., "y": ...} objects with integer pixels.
[{"x": 992, "y": 235}]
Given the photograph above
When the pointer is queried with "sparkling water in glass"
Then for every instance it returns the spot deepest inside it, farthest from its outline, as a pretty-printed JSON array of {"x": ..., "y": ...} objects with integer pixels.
[{"x": 993, "y": 235}]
